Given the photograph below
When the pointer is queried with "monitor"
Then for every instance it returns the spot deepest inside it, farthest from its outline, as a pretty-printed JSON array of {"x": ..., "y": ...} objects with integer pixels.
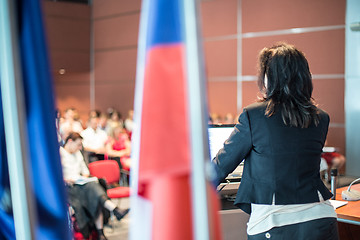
[{"x": 218, "y": 133}]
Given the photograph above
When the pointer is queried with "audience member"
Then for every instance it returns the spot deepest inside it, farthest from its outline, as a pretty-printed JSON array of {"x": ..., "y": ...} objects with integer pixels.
[
  {"x": 57, "y": 124},
  {"x": 114, "y": 121},
  {"x": 210, "y": 120},
  {"x": 94, "y": 140},
  {"x": 70, "y": 123},
  {"x": 94, "y": 113},
  {"x": 215, "y": 118},
  {"x": 333, "y": 160},
  {"x": 86, "y": 196},
  {"x": 129, "y": 122},
  {"x": 118, "y": 148},
  {"x": 229, "y": 118},
  {"x": 103, "y": 120},
  {"x": 109, "y": 111}
]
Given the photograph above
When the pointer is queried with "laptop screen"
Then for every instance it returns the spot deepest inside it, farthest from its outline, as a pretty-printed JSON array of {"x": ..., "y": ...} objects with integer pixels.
[{"x": 218, "y": 133}]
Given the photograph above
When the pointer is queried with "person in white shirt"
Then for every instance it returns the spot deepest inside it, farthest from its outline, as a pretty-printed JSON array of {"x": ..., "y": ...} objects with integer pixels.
[
  {"x": 69, "y": 124},
  {"x": 129, "y": 123},
  {"x": 86, "y": 196},
  {"x": 94, "y": 140}
]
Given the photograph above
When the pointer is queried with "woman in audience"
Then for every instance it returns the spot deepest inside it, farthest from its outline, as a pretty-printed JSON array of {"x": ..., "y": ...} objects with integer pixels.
[
  {"x": 129, "y": 123},
  {"x": 86, "y": 196},
  {"x": 333, "y": 160},
  {"x": 114, "y": 121},
  {"x": 118, "y": 147},
  {"x": 281, "y": 139}
]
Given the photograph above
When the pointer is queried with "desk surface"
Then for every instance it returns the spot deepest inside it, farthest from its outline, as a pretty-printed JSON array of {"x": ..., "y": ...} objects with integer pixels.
[{"x": 351, "y": 212}]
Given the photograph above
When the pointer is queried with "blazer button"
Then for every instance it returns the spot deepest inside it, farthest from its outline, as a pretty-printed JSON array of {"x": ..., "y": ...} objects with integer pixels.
[{"x": 267, "y": 235}]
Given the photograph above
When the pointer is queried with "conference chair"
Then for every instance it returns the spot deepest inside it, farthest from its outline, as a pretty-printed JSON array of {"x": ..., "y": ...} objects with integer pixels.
[
  {"x": 109, "y": 170},
  {"x": 125, "y": 172},
  {"x": 124, "y": 169}
]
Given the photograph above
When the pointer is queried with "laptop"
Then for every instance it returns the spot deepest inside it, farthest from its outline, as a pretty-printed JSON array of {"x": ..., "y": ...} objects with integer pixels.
[{"x": 218, "y": 133}]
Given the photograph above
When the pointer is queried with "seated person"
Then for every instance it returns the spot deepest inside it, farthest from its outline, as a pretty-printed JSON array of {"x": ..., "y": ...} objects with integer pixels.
[
  {"x": 114, "y": 120},
  {"x": 69, "y": 123},
  {"x": 87, "y": 199},
  {"x": 118, "y": 148},
  {"x": 94, "y": 140},
  {"x": 129, "y": 123},
  {"x": 333, "y": 160},
  {"x": 103, "y": 119}
]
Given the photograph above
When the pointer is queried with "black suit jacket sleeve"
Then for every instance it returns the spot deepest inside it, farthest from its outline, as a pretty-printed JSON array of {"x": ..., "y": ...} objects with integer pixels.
[{"x": 235, "y": 149}]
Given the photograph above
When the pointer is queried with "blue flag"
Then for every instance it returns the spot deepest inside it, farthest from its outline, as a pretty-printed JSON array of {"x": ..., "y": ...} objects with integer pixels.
[
  {"x": 44, "y": 160},
  {"x": 45, "y": 163},
  {"x": 7, "y": 230}
]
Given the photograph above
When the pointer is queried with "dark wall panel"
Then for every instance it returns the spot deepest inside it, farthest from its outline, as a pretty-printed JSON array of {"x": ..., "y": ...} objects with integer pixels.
[
  {"x": 116, "y": 27},
  {"x": 108, "y": 8},
  {"x": 324, "y": 50},
  {"x": 260, "y": 15},
  {"x": 68, "y": 33},
  {"x": 116, "y": 32},
  {"x": 119, "y": 65}
]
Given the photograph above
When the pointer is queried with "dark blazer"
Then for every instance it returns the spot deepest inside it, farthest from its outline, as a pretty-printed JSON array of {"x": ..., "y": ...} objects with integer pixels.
[{"x": 280, "y": 160}]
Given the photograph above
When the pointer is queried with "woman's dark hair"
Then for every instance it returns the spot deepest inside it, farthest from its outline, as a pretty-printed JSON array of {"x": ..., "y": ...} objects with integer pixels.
[
  {"x": 289, "y": 85},
  {"x": 73, "y": 136},
  {"x": 116, "y": 113}
]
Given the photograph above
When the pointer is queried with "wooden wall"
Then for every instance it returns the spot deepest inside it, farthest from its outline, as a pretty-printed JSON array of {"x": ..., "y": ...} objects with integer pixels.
[
  {"x": 115, "y": 25},
  {"x": 68, "y": 30}
]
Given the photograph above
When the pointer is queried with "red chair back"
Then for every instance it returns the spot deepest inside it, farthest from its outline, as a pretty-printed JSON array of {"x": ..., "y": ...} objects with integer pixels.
[{"x": 107, "y": 169}]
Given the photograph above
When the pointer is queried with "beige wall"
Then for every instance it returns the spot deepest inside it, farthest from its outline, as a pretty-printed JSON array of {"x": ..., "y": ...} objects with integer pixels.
[{"x": 234, "y": 31}]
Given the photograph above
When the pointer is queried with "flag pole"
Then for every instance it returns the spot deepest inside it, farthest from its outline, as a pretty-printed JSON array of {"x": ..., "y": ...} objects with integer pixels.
[
  {"x": 134, "y": 233},
  {"x": 198, "y": 122},
  {"x": 139, "y": 89},
  {"x": 14, "y": 121}
]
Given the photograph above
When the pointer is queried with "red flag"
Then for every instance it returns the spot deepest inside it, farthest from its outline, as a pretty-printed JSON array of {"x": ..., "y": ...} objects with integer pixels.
[
  {"x": 162, "y": 203},
  {"x": 164, "y": 167}
]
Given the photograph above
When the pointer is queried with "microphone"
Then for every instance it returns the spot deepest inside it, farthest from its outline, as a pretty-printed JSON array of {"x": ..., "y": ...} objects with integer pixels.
[
  {"x": 334, "y": 173},
  {"x": 351, "y": 195}
]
